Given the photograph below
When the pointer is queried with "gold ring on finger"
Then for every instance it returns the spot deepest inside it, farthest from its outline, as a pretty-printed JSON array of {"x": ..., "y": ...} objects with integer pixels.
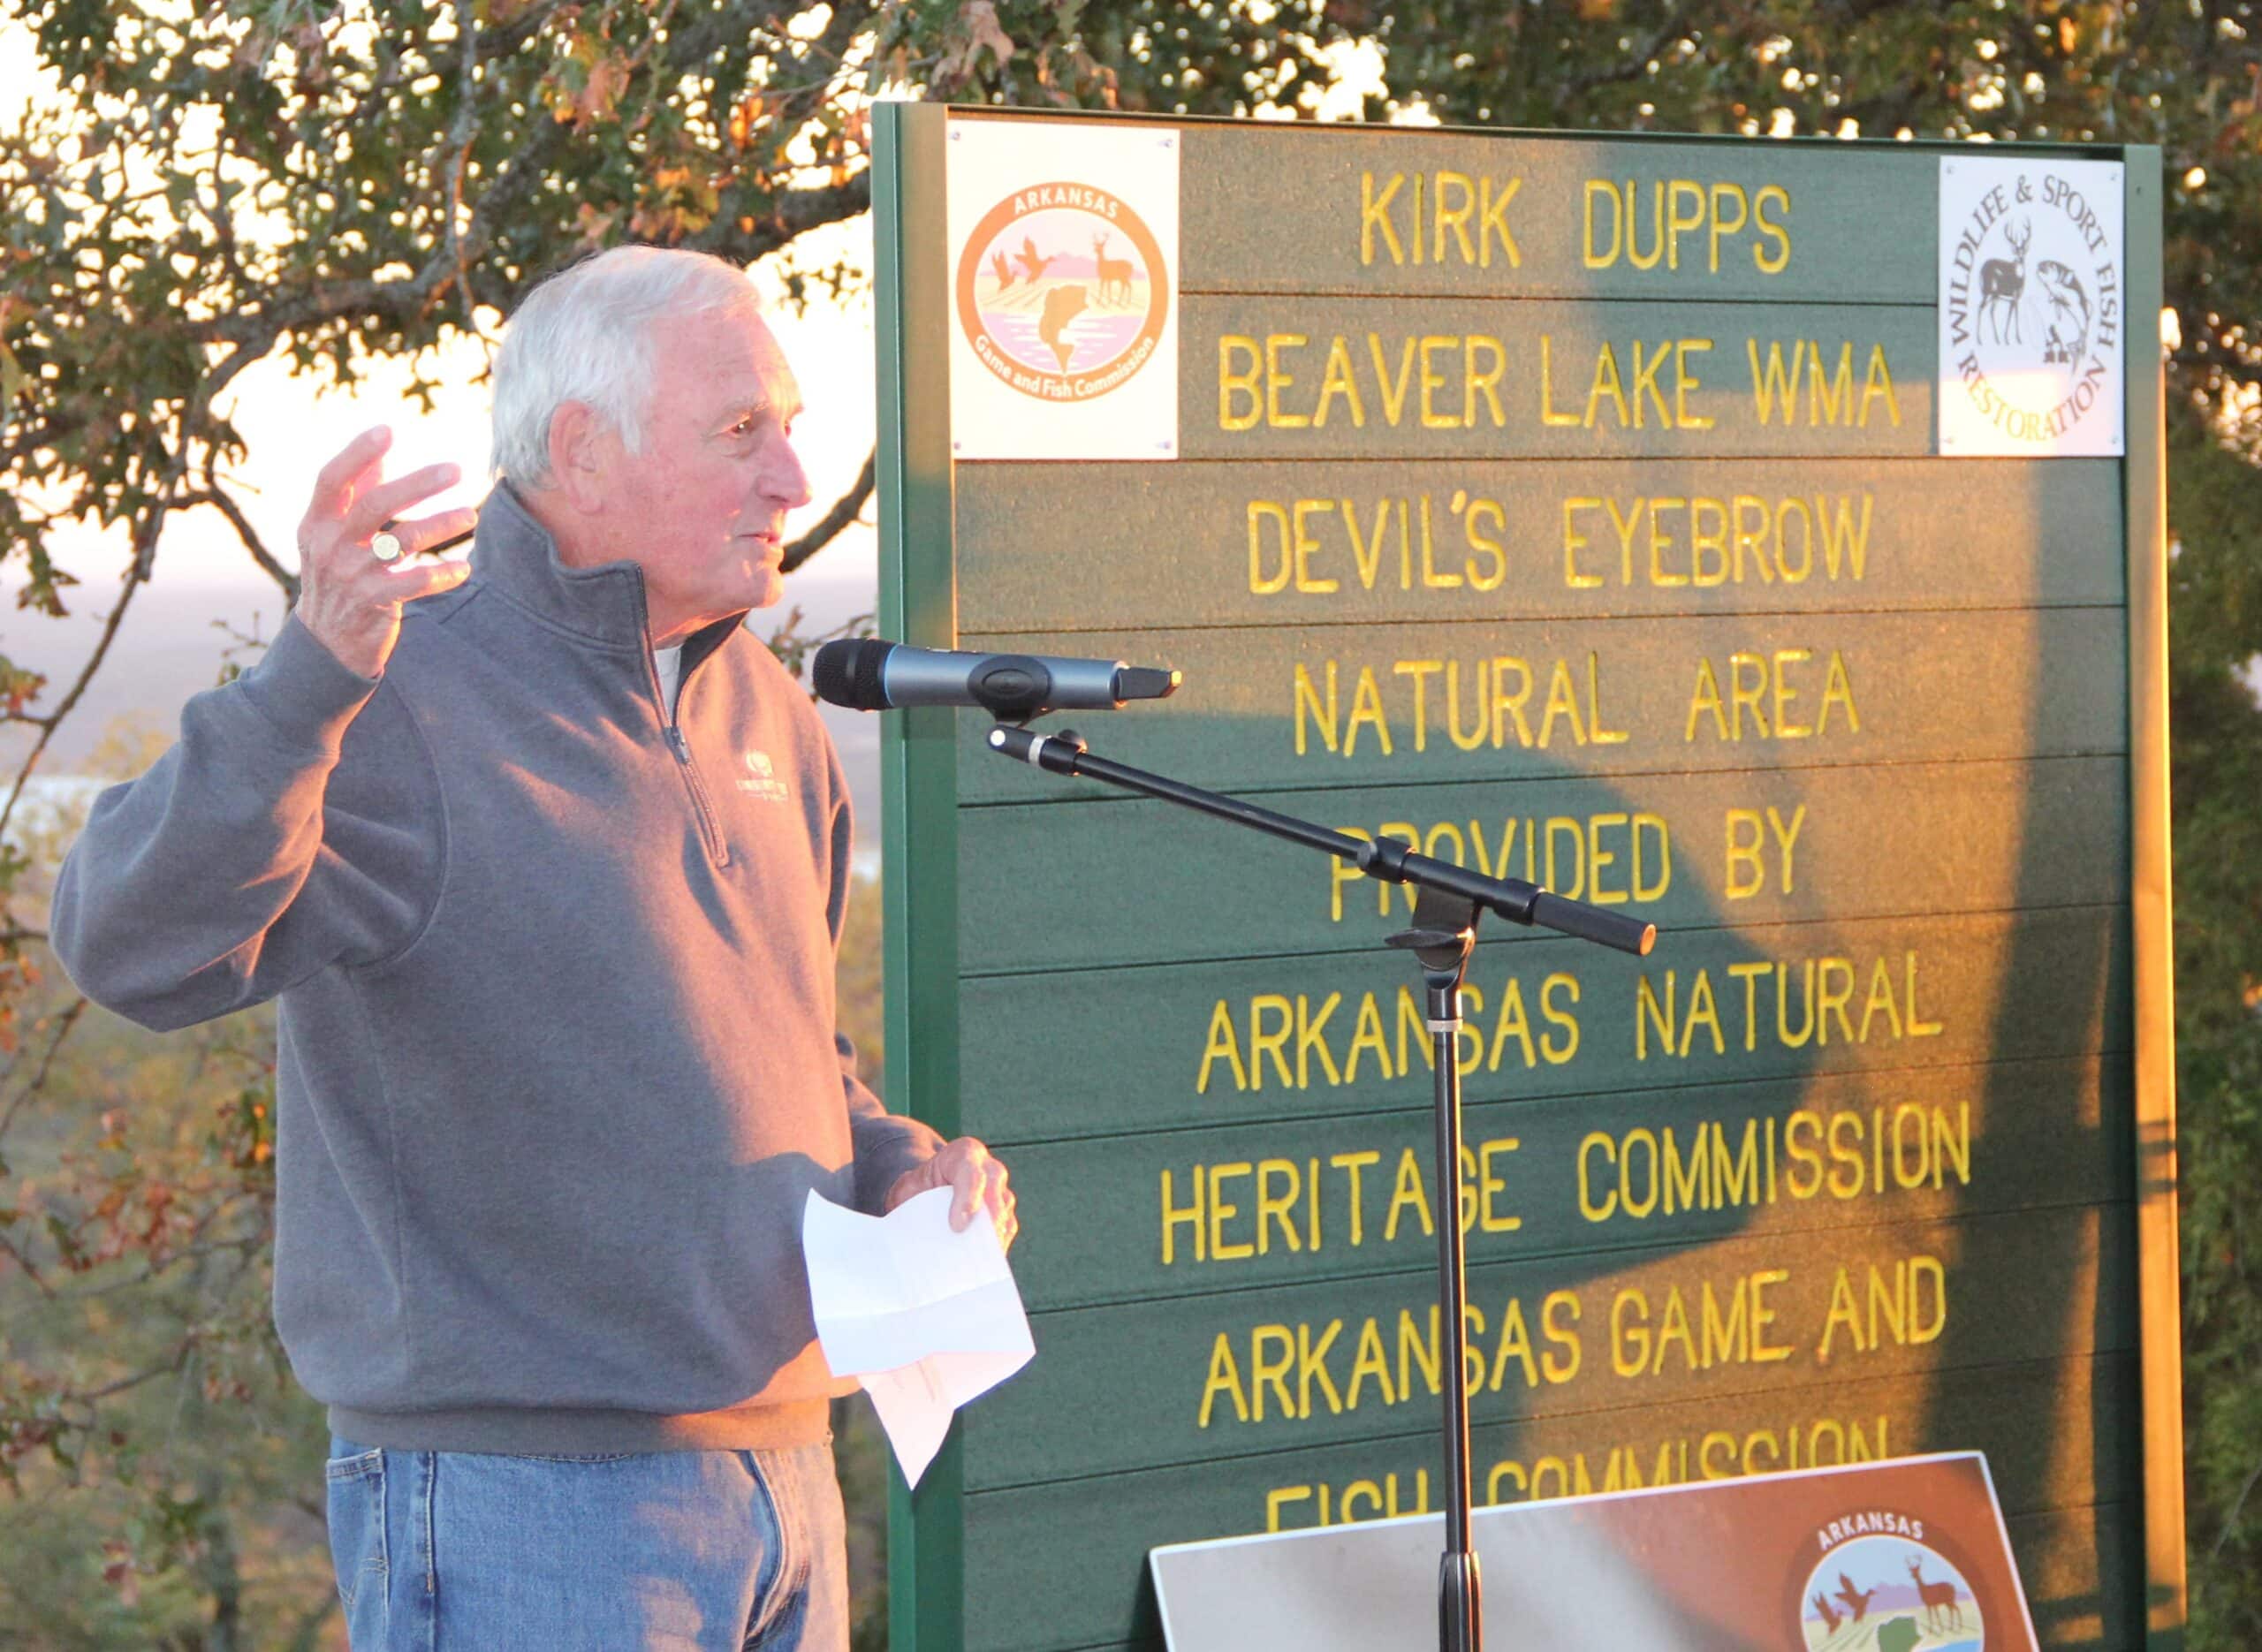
[{"x": 385, "y": 545}]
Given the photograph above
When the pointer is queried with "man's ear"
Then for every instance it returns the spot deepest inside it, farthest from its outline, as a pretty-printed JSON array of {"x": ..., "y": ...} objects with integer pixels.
[{"x": 577, "y": 433}]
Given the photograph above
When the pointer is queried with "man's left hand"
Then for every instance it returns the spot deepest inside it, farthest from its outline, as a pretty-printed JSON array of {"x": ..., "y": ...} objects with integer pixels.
[{"x": 976, "y": 1180}]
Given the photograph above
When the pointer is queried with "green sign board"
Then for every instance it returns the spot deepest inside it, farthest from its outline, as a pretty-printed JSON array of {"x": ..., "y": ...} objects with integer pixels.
[{"x": 1766, "y": 538}]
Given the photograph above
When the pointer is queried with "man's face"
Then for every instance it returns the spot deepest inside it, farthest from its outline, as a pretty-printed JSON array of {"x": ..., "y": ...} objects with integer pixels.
[{"x": 703, "y": 508}]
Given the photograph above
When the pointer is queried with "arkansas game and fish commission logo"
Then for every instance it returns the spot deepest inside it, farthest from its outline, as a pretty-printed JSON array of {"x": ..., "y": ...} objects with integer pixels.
[
  {"x": 1879, "y": 1587},
  {"x": 1062, "y": 291},
  {"x": 2030, "y": 301}
]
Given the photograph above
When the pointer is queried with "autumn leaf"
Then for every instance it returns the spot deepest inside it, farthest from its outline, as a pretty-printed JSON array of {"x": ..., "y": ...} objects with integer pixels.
[
  {"x": 980, "y": 31},
  {"x": 607, "y": 76},
  {"x": 19, "y": 688},
  {"x": 595, "y": 226},
  {"x": 981, "y": 18},
  {"x": 743, "y": 116}
]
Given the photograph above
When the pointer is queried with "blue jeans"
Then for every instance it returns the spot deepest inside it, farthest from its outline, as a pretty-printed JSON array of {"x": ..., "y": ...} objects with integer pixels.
[{"x": 479, "y": 1551}]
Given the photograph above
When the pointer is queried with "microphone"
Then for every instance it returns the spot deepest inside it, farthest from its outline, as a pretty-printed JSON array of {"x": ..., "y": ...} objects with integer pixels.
[{"x": 866, "y": 674}]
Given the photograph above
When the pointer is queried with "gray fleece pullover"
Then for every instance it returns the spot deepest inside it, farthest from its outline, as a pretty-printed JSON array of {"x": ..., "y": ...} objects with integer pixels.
[{"x": 556, "y": 1064}]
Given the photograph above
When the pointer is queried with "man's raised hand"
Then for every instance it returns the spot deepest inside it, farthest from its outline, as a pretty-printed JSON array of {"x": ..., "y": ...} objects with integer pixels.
[{"x": 346, "y": 597}]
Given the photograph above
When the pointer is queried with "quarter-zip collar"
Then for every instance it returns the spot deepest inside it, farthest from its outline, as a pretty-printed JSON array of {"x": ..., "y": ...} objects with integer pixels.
[
  {"x": 605, "y": 604},
  {"x": 516, "y": 555}
]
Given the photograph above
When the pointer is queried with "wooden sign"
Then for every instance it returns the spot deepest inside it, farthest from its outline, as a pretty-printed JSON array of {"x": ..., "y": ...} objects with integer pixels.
[{"x": 1576, "y": 509}]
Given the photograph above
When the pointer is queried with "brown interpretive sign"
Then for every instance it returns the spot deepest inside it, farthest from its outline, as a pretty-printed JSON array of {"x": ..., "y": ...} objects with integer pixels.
[
  {"x": 1889, "y": 1557},
  {"x": 1764, "y": 540}
]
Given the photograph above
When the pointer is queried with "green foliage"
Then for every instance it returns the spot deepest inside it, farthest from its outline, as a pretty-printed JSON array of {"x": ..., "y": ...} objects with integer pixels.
[
  {"x": 2180, "y": 74},
  {"x": 162, "y": 1468},
  {"x": 2216, "y": 631}
]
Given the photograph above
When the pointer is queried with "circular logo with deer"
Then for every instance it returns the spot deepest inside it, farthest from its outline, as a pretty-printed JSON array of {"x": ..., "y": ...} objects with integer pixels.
[
  {"x": 1062, "y": 291},
  {"x": 2031, "y": 302},
  {"x": 1888, "y": 1592}
]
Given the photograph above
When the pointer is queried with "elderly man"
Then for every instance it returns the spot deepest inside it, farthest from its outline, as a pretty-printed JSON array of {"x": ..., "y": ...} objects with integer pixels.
[{"x": 545, "y": 859}]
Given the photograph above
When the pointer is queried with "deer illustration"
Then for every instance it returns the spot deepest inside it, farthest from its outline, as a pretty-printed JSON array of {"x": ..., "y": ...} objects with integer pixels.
[
  {"x": 1114, "y": 273},
  {"x": 1857, "y": 1599},
  {"x": 1830, "y": 1619},
  {"x": 1941, "y": 1602},
  {"x": 2003, "y": 280}
]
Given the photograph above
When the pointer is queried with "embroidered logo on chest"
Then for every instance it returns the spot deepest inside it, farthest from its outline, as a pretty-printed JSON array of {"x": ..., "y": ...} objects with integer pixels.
[{"x": 761, "y": 780}]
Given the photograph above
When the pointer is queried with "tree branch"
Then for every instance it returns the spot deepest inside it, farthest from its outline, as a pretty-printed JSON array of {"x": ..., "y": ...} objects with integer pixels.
[
  {"x": 461, "y": 132},
  {"x": 1631, "y": 67},
  {"x": 165, "y": 1261},
  {"x": 136, "y": 576},
  {"x": 8, "y": 1249},
  {"x": 181, "y": 1352},
  {"x": 213, "y": 495},
  {"x": 2230, "y": 1520},
  {"x": 39, "y": 1080},
  {"x": 256, "y": 328},
  {"x": 843, "y": 512},
  {"x": 797, "y": 212},
  {"x": 501, "y": 42}
]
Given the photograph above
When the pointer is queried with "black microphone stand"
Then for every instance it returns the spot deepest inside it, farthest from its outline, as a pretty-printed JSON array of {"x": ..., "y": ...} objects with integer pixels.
[{"x": 1448, "y": 902}]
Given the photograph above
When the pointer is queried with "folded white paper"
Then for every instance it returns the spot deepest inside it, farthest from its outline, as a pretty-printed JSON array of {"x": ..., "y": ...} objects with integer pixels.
[{"x": 926, "y": 1317}]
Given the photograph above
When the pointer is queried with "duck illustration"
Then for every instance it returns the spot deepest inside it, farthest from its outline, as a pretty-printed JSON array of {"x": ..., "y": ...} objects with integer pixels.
[
  {"x": 1857, "y": 1599},
  {"x": 1003, "y": 270},
  {"x": 1830, "y": 1619},
  {"x": 1031, "y": 260}
]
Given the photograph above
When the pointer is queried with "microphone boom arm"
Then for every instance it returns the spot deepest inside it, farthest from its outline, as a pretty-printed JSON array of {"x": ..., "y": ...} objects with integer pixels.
[{"x": 1383, "y": 858}]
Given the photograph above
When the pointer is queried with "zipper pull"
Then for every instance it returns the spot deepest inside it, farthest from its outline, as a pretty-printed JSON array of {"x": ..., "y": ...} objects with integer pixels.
[{"x": 675, "y": 740}]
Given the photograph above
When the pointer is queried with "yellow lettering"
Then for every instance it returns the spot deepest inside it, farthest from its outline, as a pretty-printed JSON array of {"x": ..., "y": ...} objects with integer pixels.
[
  {"x": 1772, "y": 263},
  {"x": 1455, "y": 217},
  {"x": 1224, "y": 1378},
  {"x": 1492, "y": 222},
  {"x": 1278, "y": 1207},
  {"x": 1221, "y": 1213},
  {"x": 1408, "y": 1192},
  {"x": 1173, "y": 1214},
  {"x": 1234, "y": 382},
  {"x": 1277, "y": 380},
  {"x": 1374, "y": 218},
  {"x": 1223, "y": 1045},
  {"x": 1600, "y": 189},
  {"x": 1340, "y": 379},
  {"x": 1721, "y": 224}
]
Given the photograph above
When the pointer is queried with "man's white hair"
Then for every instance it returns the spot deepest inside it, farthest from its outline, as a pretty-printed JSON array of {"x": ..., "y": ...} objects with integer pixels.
[{"x": 585, "y": 335}]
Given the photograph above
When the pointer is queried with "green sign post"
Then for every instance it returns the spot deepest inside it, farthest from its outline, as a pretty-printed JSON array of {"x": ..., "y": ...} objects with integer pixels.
[{"x": 1767, "y": 538}]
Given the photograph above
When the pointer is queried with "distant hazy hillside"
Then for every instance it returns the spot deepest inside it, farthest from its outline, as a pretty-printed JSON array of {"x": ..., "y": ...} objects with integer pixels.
[{"x": 169, "y": 647}]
